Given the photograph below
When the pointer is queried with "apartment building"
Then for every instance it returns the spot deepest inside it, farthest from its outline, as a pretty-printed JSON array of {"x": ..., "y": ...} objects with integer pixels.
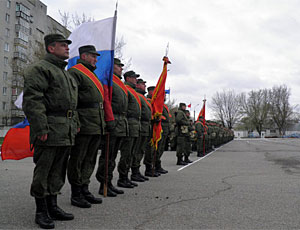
[{"x": 23, "y": 25}]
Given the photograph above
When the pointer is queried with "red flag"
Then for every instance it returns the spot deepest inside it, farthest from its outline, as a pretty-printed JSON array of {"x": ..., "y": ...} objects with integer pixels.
[
  {"x": 202, "y": 112},
  {"x": 190, "y": 105},
  {"x": 16, "y": 144},
  {"x": 157, "y": 103}
]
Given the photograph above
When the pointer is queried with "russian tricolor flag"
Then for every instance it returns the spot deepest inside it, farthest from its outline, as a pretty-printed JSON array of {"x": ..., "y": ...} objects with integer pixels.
[
  {"x": 100, "y": 34},
  {"x": 16, "y": 144}
]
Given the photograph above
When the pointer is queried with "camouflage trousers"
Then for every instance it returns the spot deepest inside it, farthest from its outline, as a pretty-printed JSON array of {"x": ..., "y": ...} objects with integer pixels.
[
  {"x": 127, "y": 150},
  {"x": 183, "y": 146},
  {"x": 50, "y": 170},
  {"x": 83, "y": 159},
  {"x": 139, "y": 151},
  {"x": 114, "y": 146},
  {"x": 149, "y": 153},
  {"x": 160, "y": 150},
  {"x": 200, "y": 145}
]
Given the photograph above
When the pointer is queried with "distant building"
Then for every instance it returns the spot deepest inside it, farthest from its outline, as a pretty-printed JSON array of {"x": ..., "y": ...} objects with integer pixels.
[{"x": 23, "y": 25}]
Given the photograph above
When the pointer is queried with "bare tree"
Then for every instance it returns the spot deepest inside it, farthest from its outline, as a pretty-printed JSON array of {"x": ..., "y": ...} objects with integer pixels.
[
  {"x": 225, "y": 107},
  {"x": 256, "y": 108},
  {"x": 280, "y": 108}
]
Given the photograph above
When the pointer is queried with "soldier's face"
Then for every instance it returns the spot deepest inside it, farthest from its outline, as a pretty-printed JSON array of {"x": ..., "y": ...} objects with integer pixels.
[
  {"x": 141, "y": 86},
  {"x": 90, "y": 58},
  {"x": 118, "y": 70},
  {"x": 131, "y": 80},
  {"x": 60, "y": 50}
]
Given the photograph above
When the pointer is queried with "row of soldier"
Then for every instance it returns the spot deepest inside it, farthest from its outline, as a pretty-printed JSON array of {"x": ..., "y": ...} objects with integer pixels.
[
  {"x": 204, "y": 135},
  {"x": 71, "y": 118}
]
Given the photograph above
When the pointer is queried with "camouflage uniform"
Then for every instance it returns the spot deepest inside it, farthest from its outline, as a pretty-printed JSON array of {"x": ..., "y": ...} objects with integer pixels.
[
  {"x": 49, "y": 103},
  {"x": 182, "y": 131},
  {"x": 141, "y": 144},
  {"x": 91, "y": 115},
  {"x": 129, "y": 142},
  {"x": 165, "y": 125},
  {"x": 119, "y": 106}
]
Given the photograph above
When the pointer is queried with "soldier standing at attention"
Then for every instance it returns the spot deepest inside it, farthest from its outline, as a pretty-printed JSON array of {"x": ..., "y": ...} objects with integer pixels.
[
  {"x": 149, "y": 152},
  {"x": 118, "y": 131},
  {"x": 165, "y": 125},
  {"x": 182, "y": 123},
  {"x": 49, "y": 103},
  {"x": 188, "y": 142},
  {"x": 128, "y": 144},
  {"x": 200, "y": 135},
  {"x": 91, "y": 115},
  {"x": 144, "y": 134}
]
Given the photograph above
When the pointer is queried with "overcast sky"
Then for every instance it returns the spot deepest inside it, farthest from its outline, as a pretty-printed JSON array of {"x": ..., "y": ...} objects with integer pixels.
[{"x": 215, "y": 45}]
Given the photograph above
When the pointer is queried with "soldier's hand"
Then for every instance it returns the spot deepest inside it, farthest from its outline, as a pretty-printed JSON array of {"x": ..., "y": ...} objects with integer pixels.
[
  {"x": 43, "y": 137},
  {"x": 78, "y": 130}
]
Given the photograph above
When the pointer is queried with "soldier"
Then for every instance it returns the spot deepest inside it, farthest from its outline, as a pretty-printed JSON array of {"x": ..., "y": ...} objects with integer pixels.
[
  {"x": 182, "y": 123},
  {"x": 200, "y": 135},
  {"x": 149, "y": 152},
  {"x": 49, "y": 103},
  {"x": 129, "y": 142},
  {"x": 118, "y": 131},
  {"x": 144, "y": 134},
  {"x": 165, "y": 125},
  {"x": 188, "y": 142},
  {"x": 91, "y": 115}
]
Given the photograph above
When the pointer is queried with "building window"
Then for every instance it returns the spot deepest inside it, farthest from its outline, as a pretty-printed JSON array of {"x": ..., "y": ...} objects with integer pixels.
[
  {"x": 7, "y": 32},
  {"x": 4, "y": 91},
  {"x": 5, "y": 60},
  {"x": 4, "y": 107},
  {"x": 5, "y": 76},
  {"x": 6, "y": 47},
  {"x": 7, "y": 17},
  {"x": 8, "y": 3},
  {"x": 14, "y": 91}
]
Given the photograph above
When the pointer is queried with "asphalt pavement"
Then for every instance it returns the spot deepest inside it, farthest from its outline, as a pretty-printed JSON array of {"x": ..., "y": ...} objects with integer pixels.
[{"x": 245, "y": 184}]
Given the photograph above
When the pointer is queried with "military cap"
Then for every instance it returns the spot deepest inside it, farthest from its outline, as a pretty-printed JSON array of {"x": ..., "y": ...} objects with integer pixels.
[
  {"x": 150, "y": 88},
  {"x": 88, "y": 49},
  {"x": 50, "y": 38},
  {"x": 118, "y": 62},
  {"x": 187, "y": 111},
  {"x": 140, "y": 80},
  {"x": 182, "y": 104},
  {"x": 131, "y": 74}
]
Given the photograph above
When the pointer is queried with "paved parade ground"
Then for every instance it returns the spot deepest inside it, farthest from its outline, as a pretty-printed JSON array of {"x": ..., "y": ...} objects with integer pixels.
[{"x": 245, "y": 184}]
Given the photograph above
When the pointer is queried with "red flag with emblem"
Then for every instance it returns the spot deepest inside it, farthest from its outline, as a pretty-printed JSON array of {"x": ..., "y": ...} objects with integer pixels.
[{"x": 157, "y": 103}]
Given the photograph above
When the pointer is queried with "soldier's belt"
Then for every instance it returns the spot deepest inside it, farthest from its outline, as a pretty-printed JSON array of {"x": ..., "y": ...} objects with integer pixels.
[
  {"x": 67, "y": 113},
  {"x": 90, "y": 105}
]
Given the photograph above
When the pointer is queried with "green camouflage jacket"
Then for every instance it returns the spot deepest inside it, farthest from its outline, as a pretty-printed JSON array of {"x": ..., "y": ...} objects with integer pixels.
[
  {"x": 146, "y": 114},
  {"x": 90, "y": 101},
  {"x": 182, "y": 123},
  {"x": 49, "y": 102},
  {"x": 134, "y": 111}
]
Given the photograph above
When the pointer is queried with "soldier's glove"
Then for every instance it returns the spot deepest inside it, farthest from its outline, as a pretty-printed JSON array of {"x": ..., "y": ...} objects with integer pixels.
[{"x": 110, "y": 126}]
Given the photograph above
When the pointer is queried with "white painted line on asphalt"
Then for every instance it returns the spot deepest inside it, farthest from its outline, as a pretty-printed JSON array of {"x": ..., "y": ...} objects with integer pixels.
[{"x": 196, "y": 161}]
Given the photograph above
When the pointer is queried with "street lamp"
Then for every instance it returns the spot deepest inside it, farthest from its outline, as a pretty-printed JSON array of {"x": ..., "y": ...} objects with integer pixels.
[{"x": 195, "y": 112}]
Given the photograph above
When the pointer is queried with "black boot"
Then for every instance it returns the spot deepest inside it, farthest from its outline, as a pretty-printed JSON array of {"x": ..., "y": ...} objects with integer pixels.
[
  {"x": 200, "y": 154},
  {"x": 124, "y": 182},
  {"x": 77, "y": 199},
  {"x": 150, "y": 173},
  {"x": 114, "y": 189},
  {"x": 180, "y": 161},
  {"x": 41, "y": 215},
  {"x": 161, "y": 170},
  {"x": 187, "y": 160},
  {"x": 109, "y": 193},
  {"x": 55, "y": 212},
  {"x": 135, "y": 176},
  {"x": 89, "y": 196}
]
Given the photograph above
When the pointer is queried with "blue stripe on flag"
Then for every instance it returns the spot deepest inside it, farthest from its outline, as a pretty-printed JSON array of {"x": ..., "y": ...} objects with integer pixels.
[{"x": 22, "y": 124}]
